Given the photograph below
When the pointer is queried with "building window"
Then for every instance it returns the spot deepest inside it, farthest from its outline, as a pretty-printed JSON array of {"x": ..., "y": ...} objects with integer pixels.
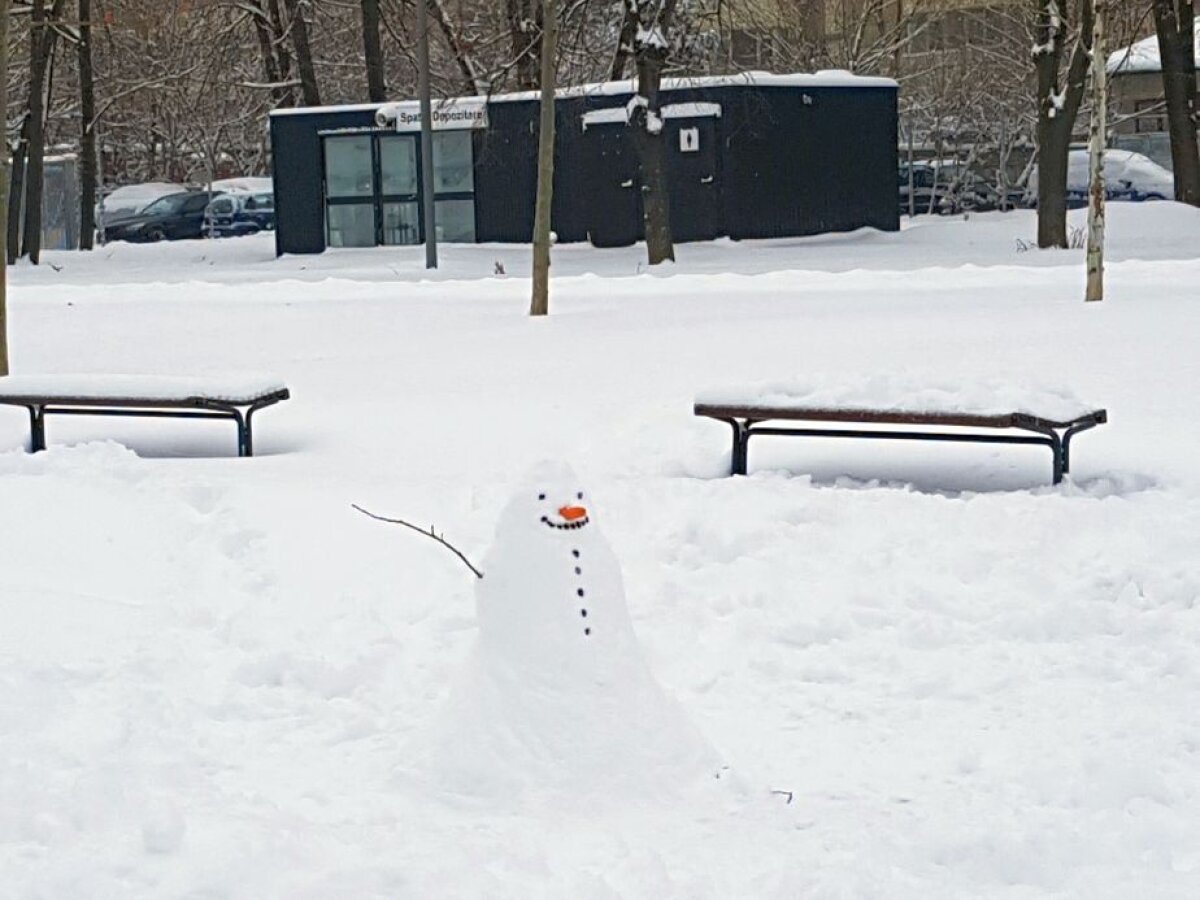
[{"x": 1149, "y": 117}]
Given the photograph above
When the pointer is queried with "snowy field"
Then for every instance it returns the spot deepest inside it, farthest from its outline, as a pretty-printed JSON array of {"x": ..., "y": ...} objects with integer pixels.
[{"x": 217, "y": 680}]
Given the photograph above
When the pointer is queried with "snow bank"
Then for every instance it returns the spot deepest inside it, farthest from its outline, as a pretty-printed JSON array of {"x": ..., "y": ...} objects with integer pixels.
[{"x": 215, "y": 675}]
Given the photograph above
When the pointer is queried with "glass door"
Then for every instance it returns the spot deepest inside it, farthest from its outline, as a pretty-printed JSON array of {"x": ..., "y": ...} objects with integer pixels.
[
  {"x": 349, "y": 191},
  {"x": 398, "y": 180}
]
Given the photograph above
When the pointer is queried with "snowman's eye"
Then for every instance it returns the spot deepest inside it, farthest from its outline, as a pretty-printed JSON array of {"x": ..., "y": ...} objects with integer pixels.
[
  {"x": 579, "y": 496},
  {"x": 541, "y": 496}
]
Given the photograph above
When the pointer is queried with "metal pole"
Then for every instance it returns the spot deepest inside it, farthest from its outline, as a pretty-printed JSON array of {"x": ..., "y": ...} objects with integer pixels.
[
  {"x": 1095, "y": 236},
  {"x": 426, "y": 135}
]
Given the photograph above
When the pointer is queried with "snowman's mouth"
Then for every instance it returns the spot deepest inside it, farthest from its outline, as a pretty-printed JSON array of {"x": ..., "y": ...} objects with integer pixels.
[{"x": 565, "y": 526}]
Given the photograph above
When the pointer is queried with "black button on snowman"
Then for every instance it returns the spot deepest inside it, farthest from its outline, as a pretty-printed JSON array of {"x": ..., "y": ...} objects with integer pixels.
[{"x": 569, "y": 518}]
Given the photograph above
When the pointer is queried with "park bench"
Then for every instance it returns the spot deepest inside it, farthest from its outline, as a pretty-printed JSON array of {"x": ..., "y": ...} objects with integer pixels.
[
  {"x": 986, "y": 413},
  {"x": 151, "y": 396}
]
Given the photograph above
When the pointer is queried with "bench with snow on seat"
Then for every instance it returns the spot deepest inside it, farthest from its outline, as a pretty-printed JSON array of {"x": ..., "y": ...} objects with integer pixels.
[
  {"x": 151, "y": 396},
  {"x": 985, "y": 412}
]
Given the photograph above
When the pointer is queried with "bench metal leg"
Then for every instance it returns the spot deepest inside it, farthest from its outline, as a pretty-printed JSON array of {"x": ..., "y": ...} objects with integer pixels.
[
  {"x": 37, "y": 428},
  {"x": 1066, "y": 441},
  {"x": 739, "y": 458},
  {"x": 1058, "y": 448},
  {"x": 245, "y": 440}
]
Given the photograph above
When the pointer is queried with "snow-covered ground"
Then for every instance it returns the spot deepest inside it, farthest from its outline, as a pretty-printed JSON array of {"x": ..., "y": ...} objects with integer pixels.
[{"x": 218, "y": 680}]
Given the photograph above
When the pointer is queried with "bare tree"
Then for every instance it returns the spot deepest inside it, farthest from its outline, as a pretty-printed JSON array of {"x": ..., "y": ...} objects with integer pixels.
[
  {"x": 373, "y": 52},
  {"x": 304, "y": 58},
  {"x": 41, "y": 43},
  {"x": 4, "y": 7},
  {"x": 542, "y": 237},
  {"x": 1059, "y": 97},
  {"x": 651, "y": 50},
  {"x": 1174, "y": 22},
  {"x": 525, "y": 31},
  {"x": 88, "y": 163}
]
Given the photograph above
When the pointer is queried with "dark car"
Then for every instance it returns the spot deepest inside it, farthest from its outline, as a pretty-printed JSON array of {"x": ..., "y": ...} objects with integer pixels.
[
  {"x": 239, "y": 213},
  {"x": 169, "y": 218}
]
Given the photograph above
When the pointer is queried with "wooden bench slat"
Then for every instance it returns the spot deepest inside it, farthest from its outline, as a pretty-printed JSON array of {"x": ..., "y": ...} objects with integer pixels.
[
  {"x": 747, "y": 420},
  {"x": 885, "y": 416}
]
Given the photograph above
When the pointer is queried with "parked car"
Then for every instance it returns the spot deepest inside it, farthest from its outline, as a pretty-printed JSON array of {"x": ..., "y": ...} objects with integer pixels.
[
  {"x": 175, "y": 216},
  {"x": 1128, "y": 176},
  {"x": 234, "y": 214},
  {"x": 129, "y": 200},
  {"x": 948, "y": 189}
]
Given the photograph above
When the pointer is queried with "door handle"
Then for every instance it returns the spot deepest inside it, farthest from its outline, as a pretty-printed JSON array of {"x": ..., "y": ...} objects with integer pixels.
[
  {"x": 628, "y": 183},
  {"x": 707, "y": 179}
]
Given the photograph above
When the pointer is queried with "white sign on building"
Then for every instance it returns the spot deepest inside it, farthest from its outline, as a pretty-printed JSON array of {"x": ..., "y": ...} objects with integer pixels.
[{"x": 456, "y": 113}]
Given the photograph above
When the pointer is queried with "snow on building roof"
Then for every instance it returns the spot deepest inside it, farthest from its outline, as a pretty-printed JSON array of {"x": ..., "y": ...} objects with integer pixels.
[
  {"x": 1142, "y": 56},
  {"x": 619, "y": 115},
  {"x": 824, "y": 78}
]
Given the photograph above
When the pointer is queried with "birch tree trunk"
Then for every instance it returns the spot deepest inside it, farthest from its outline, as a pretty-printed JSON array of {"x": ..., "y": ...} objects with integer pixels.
[
  {"x": 542, "y": 237},
  {"x": 1174, "y": 21},
  {"x": 1098, "y": 129}
]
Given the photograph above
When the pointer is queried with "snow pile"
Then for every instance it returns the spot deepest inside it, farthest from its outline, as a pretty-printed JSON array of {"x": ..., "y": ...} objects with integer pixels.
[
  {"x": 214, "y": 674},
  {"x": 557, "y": 694},
  {"x": 909, "y": 393}
]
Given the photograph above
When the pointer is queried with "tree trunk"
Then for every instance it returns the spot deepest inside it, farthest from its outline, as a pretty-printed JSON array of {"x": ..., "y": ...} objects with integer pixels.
[
  {"x": 1096, "y": 140},
  {"x": 16, "y": 191},
  {"x": 525, "y": 33},
  {"x": 266, "y": 48},
  {"x": 39, "y": 58},
  {"x": 87, "y": 139},
  {"x": 304, "y": 61},
  {"x": 283, "y": 60},
  {"x": 4, "y": 7},
  {"x": 540, "y": 304},
  {"x": 1057, "y": 109},
  {"x": 1175, "y": 23},
  {"x": 624, "y": 51},
  {"x": 373, "y": 52},
  {"x": 647, "y": 123}
]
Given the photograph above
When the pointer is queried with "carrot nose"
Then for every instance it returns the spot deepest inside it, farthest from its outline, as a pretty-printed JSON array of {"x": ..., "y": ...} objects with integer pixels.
[{"x": 571, "y": 513}]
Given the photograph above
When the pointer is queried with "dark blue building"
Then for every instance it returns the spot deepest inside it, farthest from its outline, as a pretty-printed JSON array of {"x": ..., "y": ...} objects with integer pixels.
[{"x": 749, "y": 156}]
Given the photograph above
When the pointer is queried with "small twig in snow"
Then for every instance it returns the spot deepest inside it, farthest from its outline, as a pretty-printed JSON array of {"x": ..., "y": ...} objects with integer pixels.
[{"x": 431, "y": 533}]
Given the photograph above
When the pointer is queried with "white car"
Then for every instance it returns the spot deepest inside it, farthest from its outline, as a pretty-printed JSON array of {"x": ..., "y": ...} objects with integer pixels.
[{"x": 1127, "y": 176}]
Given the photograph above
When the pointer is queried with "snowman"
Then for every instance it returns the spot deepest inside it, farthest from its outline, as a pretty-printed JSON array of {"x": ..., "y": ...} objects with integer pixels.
[{"x": 556, "y": 692}]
